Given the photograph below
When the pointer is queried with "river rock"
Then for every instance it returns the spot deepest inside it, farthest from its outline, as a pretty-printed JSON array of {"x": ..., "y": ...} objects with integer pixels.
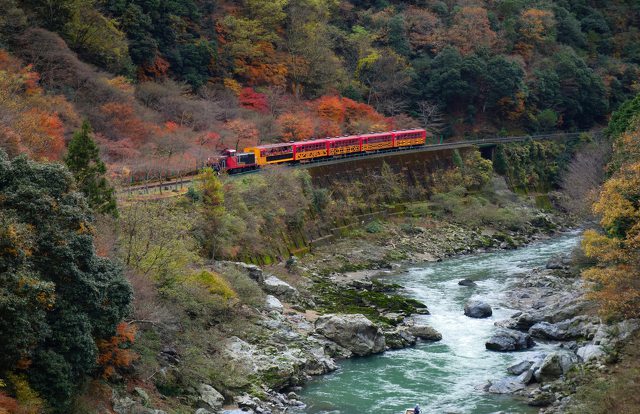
[
  {"x": 555, "y": 365},
  {"x": 210, "y": 398},
  {"x": 279, "y": 368},
  {"x": 559, "y": 262},
  {"x": 579, "y": 327},
  {"x": 521, "y": 321},
  {"x": 272, "y": 303},
  {"x": 425, "y": 332},
  {"x": 506, "y": 386},
  {"x": 467, "y": 282},
  {"x": 506, "y": 340},
  {"x": 399, "y": 338},
  {"x": 589, "y": 352},
  {"x": 353, "y": 332},
  {"x": 519, "y": 368},
  {"x": 280, "y": 288},
  {"x": 477, "y": 309}
]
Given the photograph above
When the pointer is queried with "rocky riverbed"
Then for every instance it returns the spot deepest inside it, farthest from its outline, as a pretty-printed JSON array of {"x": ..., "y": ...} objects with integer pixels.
[
  {"x": 331, "y": 306},
  {"x": 553, "y": 309}
]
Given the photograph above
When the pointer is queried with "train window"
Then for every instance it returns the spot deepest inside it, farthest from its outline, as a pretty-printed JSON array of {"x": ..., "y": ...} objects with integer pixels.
[
  {"x": 384, "y": 138},
  {"x": 276, "y": 150},
  {"x": 312, "y": 147},
  {"x": 344, "y": 143}
]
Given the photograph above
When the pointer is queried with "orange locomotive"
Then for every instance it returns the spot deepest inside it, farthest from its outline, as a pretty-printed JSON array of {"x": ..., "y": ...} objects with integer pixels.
[{"x": 303, "y": 151}]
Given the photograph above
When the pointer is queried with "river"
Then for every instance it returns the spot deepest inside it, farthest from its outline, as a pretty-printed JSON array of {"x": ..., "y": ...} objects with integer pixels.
[{"x": 446, "y": 376}]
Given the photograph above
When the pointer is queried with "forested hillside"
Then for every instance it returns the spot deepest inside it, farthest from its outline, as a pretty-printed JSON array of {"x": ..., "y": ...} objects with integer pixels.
[{"x": 167, "y": 82}]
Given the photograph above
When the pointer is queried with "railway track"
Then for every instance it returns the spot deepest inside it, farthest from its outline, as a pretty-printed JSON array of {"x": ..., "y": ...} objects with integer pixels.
[{"x": 173, "y": 185}]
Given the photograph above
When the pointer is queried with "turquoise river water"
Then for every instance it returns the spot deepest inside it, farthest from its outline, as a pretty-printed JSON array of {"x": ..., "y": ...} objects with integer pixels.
[{"x": 447, "y": 376}]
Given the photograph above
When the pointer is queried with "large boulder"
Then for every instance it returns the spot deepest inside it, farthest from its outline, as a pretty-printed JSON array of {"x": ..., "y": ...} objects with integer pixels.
[
  {"x": 280, "y": 288},
  {"x": 506, "y": 340},
  {"x": 425, "y": 332},
  {"x": 589, "y": 352},
  {"x": 477, "y": 309},
  {"x": 210, "y": 398},
  {"x": 353, "y": 332},
  {"x": 555, "y": 365}
]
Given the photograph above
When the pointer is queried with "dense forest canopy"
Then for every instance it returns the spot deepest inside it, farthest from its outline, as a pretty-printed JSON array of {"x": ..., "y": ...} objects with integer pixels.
[{"x": 168, "y": 81}]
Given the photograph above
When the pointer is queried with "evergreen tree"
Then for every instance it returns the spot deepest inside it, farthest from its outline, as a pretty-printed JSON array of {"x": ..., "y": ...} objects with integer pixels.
[
  {"x": 83, "y": 160},
  {"x": 57, "y": 296}
]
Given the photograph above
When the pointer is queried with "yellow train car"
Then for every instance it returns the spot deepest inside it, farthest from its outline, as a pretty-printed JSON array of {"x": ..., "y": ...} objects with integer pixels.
[
  {"x": 410, "y": 138},
  {"x": 272, "y": 153}
]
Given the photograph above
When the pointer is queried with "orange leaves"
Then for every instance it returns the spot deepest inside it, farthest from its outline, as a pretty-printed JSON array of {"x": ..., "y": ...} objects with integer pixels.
[
  {"x": 42, "y": 133},
  {"x": 114, "y": 353},
  {"x": 295, "y": 127},
  {"x": 471, "y": 30},
  {"x": 330, "y": 108}
]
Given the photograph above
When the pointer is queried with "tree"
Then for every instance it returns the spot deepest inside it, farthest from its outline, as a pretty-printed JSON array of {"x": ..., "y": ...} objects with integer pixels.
[
  {"x": 430, "y": 116},
  {"x": 83, "y": 160},
  {"x": 58, "y": 295},
  {"x": 471, "y": 30},
  {"x": 295, "y": 127}
]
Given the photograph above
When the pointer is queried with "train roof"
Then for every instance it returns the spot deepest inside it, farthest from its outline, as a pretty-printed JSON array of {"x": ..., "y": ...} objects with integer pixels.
[{"x": 321, "y": 140}]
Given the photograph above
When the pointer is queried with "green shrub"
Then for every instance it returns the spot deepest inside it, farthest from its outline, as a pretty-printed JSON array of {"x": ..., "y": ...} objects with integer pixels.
[{"x": 374, "y": 227}]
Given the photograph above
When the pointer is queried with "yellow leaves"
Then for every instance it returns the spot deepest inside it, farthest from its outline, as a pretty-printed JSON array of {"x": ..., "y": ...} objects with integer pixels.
[
  {"x": 603, "y": 248},
  {"x": 618, "y": 202},
  {"x": 232, "y": 85},
  {"x": 617, "y": 251},
  {"x": 214, "y": 283}
]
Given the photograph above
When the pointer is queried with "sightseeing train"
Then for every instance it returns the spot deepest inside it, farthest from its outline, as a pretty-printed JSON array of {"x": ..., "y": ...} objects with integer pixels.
[{"x": 253, "y": 158}]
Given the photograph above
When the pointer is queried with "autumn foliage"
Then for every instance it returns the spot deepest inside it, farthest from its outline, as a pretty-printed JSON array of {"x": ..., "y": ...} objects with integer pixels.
[
  {"x": 616, "y": 248},
  {"x": 32, "y": 119},
  {"x": 114, "y": 353}
]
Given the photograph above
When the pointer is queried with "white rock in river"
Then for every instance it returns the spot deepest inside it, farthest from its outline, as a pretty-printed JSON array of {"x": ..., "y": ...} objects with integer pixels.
[
  {"x": 273, "y": 303},
  {"x": 353, "y": 332}
]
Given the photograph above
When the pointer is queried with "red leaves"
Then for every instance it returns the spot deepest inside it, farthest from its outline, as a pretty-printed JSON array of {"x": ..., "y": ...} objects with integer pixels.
[
  {"x": 125, "y": 123},
  {"x": 114, "y": 354},
  {"x": 253, "y": 100}
]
